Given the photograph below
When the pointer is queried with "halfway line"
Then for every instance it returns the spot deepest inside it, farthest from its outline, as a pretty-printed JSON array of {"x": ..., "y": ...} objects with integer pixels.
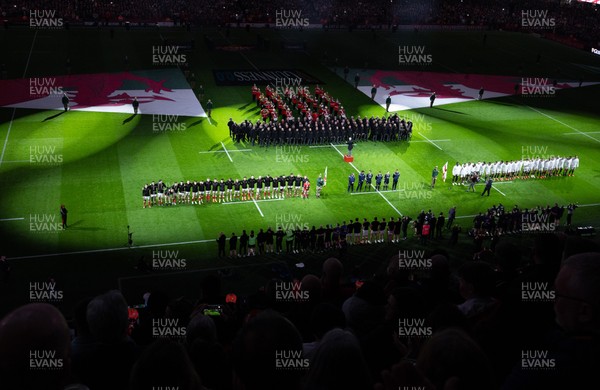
[
  {"x": 379, "y": 192},
  {"x": 430, "y": 141},
  {"x": 225, "y": 149}
]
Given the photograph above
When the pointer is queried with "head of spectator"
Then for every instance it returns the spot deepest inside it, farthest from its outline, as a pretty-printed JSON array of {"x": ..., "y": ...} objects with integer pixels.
[
  {"x": 312, "y": 284},
  {"x": 108, "y": 317},
  {"x": 451, "y": 356},
  {"x": 365, "y": 310},
  {"x": 164, "y": 364},
  {"x": 577, "y": 287},
  {"x": 255, "y": 352},
  {"x": 405, "y": 302},
  {"x": 326, "y": 317},
  {"x": 338, "y": 363},
  {"x": 577, "y": 244},
  {"x": 201, "y": 327},
  {"x": 38, "y": 329},
  {"x": 476, "y": 286}
]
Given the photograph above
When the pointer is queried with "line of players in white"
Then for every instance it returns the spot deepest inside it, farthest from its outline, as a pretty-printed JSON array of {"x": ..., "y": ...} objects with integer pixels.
[{"x": 517, "y": 169}]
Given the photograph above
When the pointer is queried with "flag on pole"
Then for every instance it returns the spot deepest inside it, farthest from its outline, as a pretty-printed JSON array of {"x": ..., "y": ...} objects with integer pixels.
[
  {"x": 444, "y": 171},
  {"x": 325, "y": 178}
]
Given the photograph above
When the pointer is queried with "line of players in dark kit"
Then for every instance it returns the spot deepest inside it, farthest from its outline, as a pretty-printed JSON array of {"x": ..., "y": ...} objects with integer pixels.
[
  {"x": 304, "y": 131},
  {"x": 225, "y": 190}
]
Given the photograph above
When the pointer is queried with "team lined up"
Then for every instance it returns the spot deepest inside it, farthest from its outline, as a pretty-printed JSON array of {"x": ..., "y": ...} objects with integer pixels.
[
  {"x": 296, "y": 131},
  {"x": 218, "y": 191},
  {"x": 368, "y": 179},
  {"x": 523, "y": 169}
]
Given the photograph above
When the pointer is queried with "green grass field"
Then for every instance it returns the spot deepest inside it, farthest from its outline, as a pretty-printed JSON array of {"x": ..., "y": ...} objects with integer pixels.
[{"x": 105, "y": 160}]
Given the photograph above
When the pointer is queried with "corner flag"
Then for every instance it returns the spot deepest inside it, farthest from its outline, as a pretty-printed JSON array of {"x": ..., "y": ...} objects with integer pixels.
[
  {"x": 325, "y": 178},
  {"x": 444, "y": 171}
]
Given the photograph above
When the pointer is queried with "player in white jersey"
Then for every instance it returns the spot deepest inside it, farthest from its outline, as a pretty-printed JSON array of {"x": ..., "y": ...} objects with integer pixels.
[
  {"x": 455, "y": 173},
  {"x": 574, "y": 165}
]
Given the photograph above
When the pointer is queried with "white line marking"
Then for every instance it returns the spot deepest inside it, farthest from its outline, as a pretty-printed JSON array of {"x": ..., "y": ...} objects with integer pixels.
[
  {"x": 430, "y": 141},
  {"x": 124, "y": 247},
  {"x": 15, "y": 109},
  {"x": 374, "y": 192},
  {"x": 11, "y": 219},
  {"x": 250, "y": 201},
  {"x": 259, "y": 210},
  {"x": 225, "y": 149},
  {"x": 324, "y": 146},
  {"x": 499, "y": 191},
  {"x": 357, "y": 170},
  {"x": 564, "y": 124},
  {"x": 583, "y": 132},
  {"x": 433, "y": 140},
  {"x": 230, "y": 151}
]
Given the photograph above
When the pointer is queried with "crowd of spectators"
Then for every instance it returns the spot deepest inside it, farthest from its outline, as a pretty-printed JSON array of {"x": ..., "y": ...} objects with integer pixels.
[
  {"x": 572, "y": 19},
  {"x": 465, "y": 327}
]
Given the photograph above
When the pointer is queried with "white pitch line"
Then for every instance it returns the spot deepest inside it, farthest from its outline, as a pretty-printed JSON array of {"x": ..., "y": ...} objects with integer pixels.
[
  {"x": 324, "y": 146},
  {"x": 11, "y": 219},
  {"x": 250, "y": 201},
  {"x": 15, "y": 109},
  {"x": 225, "y": 149},
  {"x": 379, "y": 192},
  {"x": 430, "y": 141},
  {"x": 122, "y": 248},
  {"x": 564, "y": 124},
  {"x": 583, "y": 132},
  {"x": 433, "y": 140},
  {"x": 230, "y": 151},
  {"x": 259, "y": 210},
  {"x": 499, "y": 191},
  {"x": 374, "y": 192}
]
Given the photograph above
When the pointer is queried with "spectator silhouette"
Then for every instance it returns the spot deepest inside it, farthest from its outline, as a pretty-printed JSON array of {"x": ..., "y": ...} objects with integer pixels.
[{"x": 338, "y": 364}]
